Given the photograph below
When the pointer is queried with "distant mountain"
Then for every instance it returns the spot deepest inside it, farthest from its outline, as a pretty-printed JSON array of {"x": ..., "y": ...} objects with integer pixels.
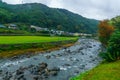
[{"x": 43, "y": 16}]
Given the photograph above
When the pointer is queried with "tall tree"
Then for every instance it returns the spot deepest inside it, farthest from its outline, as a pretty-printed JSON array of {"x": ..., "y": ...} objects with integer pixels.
[{"x": 105, "y": 31}]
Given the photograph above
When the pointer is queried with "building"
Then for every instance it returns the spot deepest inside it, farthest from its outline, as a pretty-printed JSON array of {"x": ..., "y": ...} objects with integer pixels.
[
  {"x": 39, "y": 28},
  {"x": 12, "y": 26},
  {"x": 2, "y": 26}
]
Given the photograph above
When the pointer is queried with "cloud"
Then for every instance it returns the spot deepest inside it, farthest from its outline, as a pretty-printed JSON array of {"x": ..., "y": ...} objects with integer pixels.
[
  {"x": 13, "y": 1},
  {"x": 97, "y": 9}
]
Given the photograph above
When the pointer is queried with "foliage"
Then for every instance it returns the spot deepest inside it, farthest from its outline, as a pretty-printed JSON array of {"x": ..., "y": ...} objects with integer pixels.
[
  {"x": 113, "y": 49},
  {"x": 33, "y": 30},
  {"x": 24, "y": 31},
  {"x": 115, "y": 22},
  {"x": 105, "y": 71},
  {"x": 113, "y": 41},
  {"x": 13, "y": 32},
  {"x": 40, "y": 15},
  {"x": 5, "y": 16},
  {"x": 105, "y": 31}
]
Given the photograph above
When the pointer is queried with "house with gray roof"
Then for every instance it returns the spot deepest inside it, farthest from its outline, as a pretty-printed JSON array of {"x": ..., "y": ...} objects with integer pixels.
[
  {"x": 12, "y": 26},
  {"x": 2, "y": 26}
]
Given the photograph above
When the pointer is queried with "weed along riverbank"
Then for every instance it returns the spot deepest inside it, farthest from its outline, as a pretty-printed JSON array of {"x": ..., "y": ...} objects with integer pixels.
[{"x": 59, "y": 64}]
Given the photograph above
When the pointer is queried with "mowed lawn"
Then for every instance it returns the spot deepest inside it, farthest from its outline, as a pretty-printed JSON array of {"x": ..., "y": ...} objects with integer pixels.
[
  {"x": 105, "y": 71},
  {"x": 31, "y": 39}
]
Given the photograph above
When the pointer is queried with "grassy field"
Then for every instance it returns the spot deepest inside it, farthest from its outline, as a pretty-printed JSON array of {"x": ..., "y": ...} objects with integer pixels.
[
  {"x": 17, "y": 45},
  {"x": 31, "y": 39},
  {"x": 105, "y": 71}
]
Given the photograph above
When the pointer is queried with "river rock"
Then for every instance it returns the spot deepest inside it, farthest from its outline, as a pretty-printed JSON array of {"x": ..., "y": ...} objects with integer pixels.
[
  {"x": 48, "y": 56},
  {"x": 1, "y": 71},
  {"x": 66, "y": 64},
  {"x": 53, "y": 73},
  {"x": 76, "y": 71},
  {"x": 55, "y": 69},
  {"x": 43, "y": 65}
]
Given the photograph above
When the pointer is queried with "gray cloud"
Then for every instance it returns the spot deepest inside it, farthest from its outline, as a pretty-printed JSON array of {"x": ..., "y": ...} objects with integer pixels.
[
  {"x": 13, "y": 1},
  {"x": 97, "y": 9}
]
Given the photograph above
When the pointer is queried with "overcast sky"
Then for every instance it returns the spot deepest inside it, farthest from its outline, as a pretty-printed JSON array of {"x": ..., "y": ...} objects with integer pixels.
[{"x": 96, "y": 9}]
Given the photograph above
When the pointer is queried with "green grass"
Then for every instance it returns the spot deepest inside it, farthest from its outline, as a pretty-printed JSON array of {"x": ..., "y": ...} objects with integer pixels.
[
  {"x": 105, "y": 71},
  {"x": 18, "y": 45},
  {"x": 31, "y": 39}
]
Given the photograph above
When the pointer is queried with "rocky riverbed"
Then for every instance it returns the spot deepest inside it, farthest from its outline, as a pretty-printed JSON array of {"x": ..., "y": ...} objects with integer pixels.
[{"x": 56, "y": 65}]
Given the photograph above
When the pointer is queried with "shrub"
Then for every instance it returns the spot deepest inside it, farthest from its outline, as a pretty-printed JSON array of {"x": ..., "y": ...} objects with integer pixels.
[{"x": 113, "y": 49}]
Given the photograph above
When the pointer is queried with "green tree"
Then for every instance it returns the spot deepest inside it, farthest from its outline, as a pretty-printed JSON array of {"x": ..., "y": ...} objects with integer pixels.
[
  {"x": 113, "y": 49},
  {"x": 33, "y": 30}
]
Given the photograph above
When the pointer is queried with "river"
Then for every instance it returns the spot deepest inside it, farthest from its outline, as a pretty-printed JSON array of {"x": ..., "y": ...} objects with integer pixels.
[{"x": 56, "y": 65}]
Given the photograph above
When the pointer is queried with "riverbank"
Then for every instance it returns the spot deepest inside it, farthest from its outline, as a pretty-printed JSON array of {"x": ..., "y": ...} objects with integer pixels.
[
  {"x": 19, "y": 45},
  {"x": 105, "y": 71},
  {"x": 35, "y": 48},
  {"x": 55, "y": 65}
]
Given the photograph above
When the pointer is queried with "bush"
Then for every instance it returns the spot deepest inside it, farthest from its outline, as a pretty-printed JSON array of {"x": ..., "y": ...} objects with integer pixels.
[{"x": 113, "y": 49}]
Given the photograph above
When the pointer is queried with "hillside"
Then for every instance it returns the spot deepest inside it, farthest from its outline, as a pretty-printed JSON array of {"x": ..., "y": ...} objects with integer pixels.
[
  {"x": 115, "y": 22},
  {"x": 43, "y": 16}
]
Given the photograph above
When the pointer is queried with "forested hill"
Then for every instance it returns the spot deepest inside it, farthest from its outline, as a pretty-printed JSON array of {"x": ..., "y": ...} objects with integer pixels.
[
  {"x": 43, "y": 16},
  {"x": 115, "y": 22}
]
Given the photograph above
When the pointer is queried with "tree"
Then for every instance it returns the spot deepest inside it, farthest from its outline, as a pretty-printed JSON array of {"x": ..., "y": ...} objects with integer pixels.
[
  {"x": 5, "y": 16},
  {"x": 59, "y": 27},
  {"x": 33, "y": 30},
  {"x": 116, "y": 22},
  {"x": 105, "y": 31},
  {"x": 113, "y": 49}
]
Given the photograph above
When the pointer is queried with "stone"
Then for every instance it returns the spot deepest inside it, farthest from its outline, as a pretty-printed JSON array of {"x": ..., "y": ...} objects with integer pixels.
[
  {"x": 15, "y": 57},
  {"x": 46, "y": 75},
  {"x": 91, "y": 56},
  {"x": 82, "y": 66},
  {"x": 1, "y": 71},
  {"x": 89, "y": 46},
  {"x": 82, "y": 53},
  {"x": 66, "y": 64},
  {"x": 55, "y": 69},
  {"x": 81, "y": 48},
  {"x": 35, "y": 58},
  {"x": 36, "y": 78},
  {"x": 48, "y": 56},
  {"x": 43, "y": 65},
  {"x": 93, "y": 60},
  {"x": 59, "y": 55},
  {"x": 76, "y": 71},
  {"x": 18, "y": 72},
  {"x": 19, "y": 77},
  {"x": 53, "y": 73},
  {"x": 41, "y": 72},
  {"x": 54, "y": 56}
]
